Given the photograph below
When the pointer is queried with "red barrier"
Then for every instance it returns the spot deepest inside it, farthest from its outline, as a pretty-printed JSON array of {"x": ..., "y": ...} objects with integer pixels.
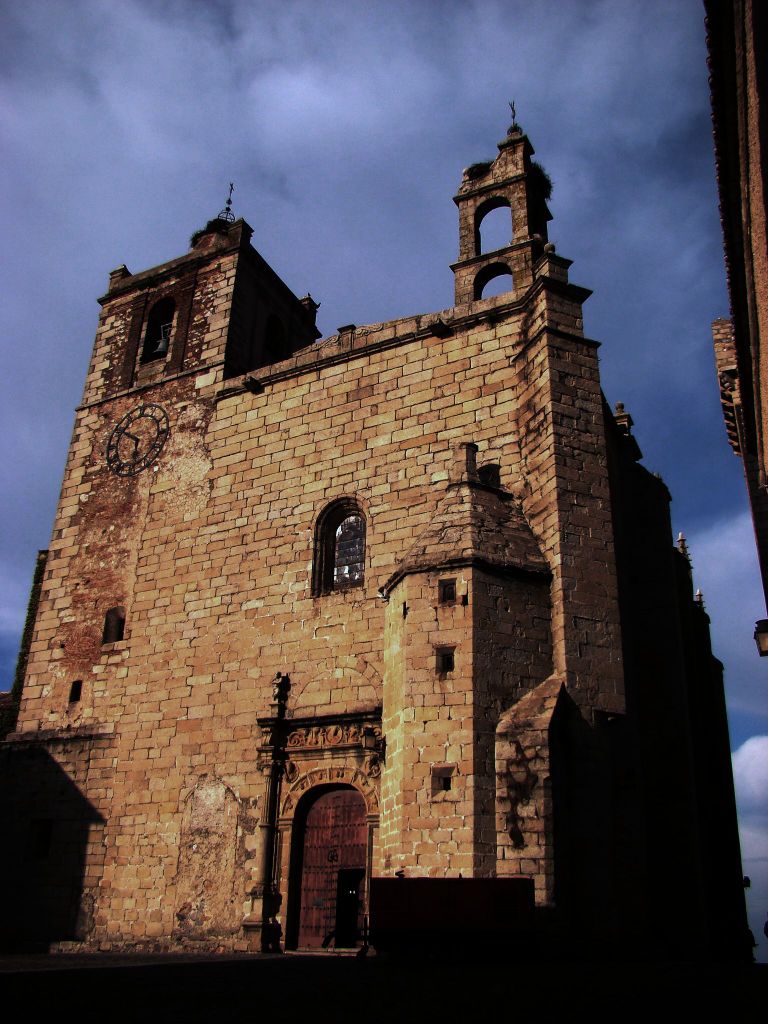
[{"x": 424, "y": 913}]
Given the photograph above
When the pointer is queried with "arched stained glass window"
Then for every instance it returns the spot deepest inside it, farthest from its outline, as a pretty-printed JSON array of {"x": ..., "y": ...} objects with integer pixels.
[{"x": 339, "y": 557}]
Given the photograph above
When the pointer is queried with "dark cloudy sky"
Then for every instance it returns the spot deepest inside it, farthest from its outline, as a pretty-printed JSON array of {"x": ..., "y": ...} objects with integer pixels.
[{"x": 345, "y": 127}]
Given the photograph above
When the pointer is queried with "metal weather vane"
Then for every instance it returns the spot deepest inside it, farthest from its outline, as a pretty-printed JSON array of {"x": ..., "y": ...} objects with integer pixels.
[{"x": 226, "y": 213}]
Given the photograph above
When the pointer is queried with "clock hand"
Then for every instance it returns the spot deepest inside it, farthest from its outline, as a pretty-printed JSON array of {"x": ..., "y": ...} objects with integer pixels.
[{"x": 136, "y": 440}]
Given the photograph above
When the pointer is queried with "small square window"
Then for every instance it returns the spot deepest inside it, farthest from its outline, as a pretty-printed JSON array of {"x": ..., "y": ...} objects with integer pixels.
[
  {"x": 445, "y": 659},
  {"x": 442, "y": 776},
  {"x": 446, "y": 591},
  {"x": 490, "y": 475}
]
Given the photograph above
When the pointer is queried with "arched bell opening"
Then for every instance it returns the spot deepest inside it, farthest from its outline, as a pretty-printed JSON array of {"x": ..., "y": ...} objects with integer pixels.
[
  {"x": 328, "y": 869},
  {"x": 493, "y": 225},
  {"x": 495, "y": 279},
  {"x": 157, "y": 336}
]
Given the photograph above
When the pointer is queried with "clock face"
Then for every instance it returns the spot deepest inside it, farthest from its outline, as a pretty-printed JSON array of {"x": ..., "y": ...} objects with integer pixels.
[{"x": 137, "y": 440}]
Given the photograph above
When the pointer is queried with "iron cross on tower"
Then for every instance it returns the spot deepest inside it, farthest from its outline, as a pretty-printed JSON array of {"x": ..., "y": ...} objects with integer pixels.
[{"x": 226, "y": 213}]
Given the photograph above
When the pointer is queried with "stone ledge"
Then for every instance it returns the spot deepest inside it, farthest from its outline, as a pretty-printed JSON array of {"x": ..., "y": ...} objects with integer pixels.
[{"x": 78, "y": 732}]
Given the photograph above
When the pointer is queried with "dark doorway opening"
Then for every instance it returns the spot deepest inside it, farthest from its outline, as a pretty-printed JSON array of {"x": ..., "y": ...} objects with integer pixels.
[
  {"x": 328, "y": 869},
  {"x": 350, "y": 881}
]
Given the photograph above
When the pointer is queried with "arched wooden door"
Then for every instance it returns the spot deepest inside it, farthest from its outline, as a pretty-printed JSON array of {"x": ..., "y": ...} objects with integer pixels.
[{"x": 333, "y": 846}]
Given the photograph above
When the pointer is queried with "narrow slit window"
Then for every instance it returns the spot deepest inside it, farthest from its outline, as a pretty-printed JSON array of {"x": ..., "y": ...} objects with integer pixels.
[
  {"x": 76, "y": 691},
  {"x": 114, "y": 626}
]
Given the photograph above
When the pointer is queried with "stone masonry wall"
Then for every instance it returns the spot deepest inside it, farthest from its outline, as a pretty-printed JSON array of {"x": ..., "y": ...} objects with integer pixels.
[
  {"x": 429, "y": 713},
  {"x": 567, "y": 501}
]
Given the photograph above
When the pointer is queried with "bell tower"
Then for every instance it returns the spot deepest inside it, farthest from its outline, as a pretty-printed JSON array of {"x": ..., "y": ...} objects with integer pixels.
[
  {"x": 515, "y": 182},
  {"x": 220, "y": 308}
]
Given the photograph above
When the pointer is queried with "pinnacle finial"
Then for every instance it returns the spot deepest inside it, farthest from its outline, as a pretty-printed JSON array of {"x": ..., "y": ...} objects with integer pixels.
[
  {"x": 226, "y": 213},
  {"x": 514, "y": 127},
  {"x": 622, "y": 419}
]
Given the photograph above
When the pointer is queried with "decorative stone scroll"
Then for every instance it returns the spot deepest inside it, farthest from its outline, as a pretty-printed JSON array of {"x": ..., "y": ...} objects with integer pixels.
[
  {"x": 333, "y": 774},
  {"x": 338, "y": 734}
]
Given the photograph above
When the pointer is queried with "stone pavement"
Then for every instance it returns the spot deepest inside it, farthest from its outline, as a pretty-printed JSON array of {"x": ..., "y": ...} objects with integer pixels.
[{"x": 337, "y": 989}]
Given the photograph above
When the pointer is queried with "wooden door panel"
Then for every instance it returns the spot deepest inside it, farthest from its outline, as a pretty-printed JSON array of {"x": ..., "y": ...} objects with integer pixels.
[{"x": 335, "y": 839}]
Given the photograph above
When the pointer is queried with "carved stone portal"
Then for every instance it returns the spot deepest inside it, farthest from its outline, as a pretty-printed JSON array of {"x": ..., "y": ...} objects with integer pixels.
[
  {"x": 336, "y": 734},
  {"x": 331, "y": 775}
]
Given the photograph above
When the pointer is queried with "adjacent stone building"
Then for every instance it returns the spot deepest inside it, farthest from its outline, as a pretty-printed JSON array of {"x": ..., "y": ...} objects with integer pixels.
[
  {"x": 400, "y": 601},
  {"x": 737, "y": 42}
]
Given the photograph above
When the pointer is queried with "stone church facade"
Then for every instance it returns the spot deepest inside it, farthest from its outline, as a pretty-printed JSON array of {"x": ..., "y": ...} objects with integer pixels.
[{"x": 399, "y": 601}]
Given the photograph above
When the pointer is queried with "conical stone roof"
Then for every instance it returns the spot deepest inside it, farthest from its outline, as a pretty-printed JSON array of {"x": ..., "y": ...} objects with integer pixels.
[{"x": 474, "y": 524}]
